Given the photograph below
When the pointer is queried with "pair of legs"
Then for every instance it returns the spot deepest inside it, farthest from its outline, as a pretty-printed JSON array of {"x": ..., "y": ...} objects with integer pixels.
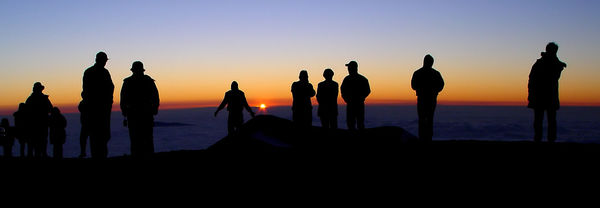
[
  {"x": 329, "y": 122},
  {"x": 99, "y": 131},
  {"x": 538, "y": 121},
  {"x": 38, "y": 142},
  {"x": 425, "y": 110},
  {"x": 355, "y": 115},
  {"x": 83, "y": 136},
  {"x": 22, "y": 147},
  {"x": 141, "y": 135},
  {"x": 57, "y": 151},
  {"x": 234, "y": 122}
]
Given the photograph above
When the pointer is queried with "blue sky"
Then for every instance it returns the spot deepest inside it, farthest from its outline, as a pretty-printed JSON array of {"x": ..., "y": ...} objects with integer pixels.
[{"x": 480, "y": 46}]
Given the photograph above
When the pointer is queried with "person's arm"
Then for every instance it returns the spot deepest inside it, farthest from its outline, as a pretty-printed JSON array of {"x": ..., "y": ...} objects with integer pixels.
[
  {"x": 245, "y": 103},
  {"x": 367, "y": 89},
  {"x": 319, "y": 92},
  {"x": 124, "y": 98},
  {"x": 85, "y": 86},
  {"x": 441, "y": 83},
  {"x": 111, "y": 87},
  {"x": 414, "y": 82},
  {"x": 155, "y": 99},
  {"x": 343, "y": 90},
  {"x": 532, "y": 83},
  {"x": 311, "y": 93},
  {"x": 223, "y": 103}
]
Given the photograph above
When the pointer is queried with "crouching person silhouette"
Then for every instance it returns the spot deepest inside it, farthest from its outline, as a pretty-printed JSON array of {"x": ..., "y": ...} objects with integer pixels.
[
  {"x": 236, "y": 102},
  {"x": 139, "y": 104}
]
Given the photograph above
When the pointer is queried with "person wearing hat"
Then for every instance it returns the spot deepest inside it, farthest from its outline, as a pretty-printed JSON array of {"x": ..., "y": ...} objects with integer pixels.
[
  {"x": 97, "y": 96},
  {"x": 139, "y": 104},
  {"x": 327, "y": 94},
  {"x": 427, "y": 82},
  {"x": 39, "y": 107},
  {"x": 355, "y": 89}
]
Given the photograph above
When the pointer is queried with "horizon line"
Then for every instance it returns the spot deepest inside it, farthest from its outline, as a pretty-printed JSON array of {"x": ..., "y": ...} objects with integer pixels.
[{"x": 72, "y": 108}]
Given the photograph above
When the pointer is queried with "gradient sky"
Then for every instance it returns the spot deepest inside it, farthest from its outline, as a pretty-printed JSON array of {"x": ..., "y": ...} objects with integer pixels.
[{"x": 194, "y": 49}]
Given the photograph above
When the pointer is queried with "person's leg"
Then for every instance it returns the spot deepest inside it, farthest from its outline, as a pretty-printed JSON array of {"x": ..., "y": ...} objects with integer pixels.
[
  {"x": 308, "y": 118},
  {"x": 105, "y": 134},
  {"x": 55, "y": 151},
  {"x": 231, "y": 124},
  {"x": 551, "y": 125},
  {"x": 324, "y": 122},
  {"x": 350, "y": 116},
  {"x": 59, "y": 150},
  {"x": 44, "y": 144},
  {"x": 83, "y": 135},
  {"x": 134, "y": 139},
  {"x": 538, "y": 120},
  {"x": 333, "y": 122},
  {"x": 430, "y": 115},
  {"x": 422, "y": 113},
  {"x": 30, "y": 148},
  {"x": 235, "y": 122},
  {"x": 22, "y": 147},
  {"x": 360, "y": 115},
  {"x": 148, "y": 140}
]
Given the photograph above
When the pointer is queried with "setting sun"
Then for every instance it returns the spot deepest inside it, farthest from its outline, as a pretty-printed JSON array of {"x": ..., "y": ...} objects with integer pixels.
[{"x": 262, "y": 106}]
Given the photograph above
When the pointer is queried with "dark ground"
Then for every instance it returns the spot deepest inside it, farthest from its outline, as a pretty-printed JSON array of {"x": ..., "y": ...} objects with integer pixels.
[{"x": 269, "y": 152}]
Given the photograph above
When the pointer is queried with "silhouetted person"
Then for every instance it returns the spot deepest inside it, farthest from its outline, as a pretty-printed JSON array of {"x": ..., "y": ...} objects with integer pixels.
[
  {"x": 428, "y": 83},
  {"x": 84, "y": 132},
  {"x": 7, "y": 137},
  {"x": 236, "y": 102},
  {"x": 21, "y": 133},
  {"x": 58, "y": 134},
  {"x": 543, "y": 91},
  {"x": 39, "y": 107},
  {"x": 139, "y": 104},
  {"x": 355, "y": 89},
  {"x": 302, "y": 91},
  {"x": 97, "y": 95},
  {"x": 327, "y": 94}
]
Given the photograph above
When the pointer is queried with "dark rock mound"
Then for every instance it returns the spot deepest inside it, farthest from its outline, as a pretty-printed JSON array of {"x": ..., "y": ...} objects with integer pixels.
[{"x": 267, "y": 133}]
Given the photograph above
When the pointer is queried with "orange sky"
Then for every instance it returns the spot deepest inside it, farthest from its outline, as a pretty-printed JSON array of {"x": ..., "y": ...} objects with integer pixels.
[{"x": 483, "y": 49}]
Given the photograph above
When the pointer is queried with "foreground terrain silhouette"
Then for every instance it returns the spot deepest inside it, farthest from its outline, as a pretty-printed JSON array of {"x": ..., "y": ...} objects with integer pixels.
[{"x": 270, "y": 139}]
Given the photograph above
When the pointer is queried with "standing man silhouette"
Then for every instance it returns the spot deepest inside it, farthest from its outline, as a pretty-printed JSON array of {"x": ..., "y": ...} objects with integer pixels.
[
  {"x": 302, "y": 91},
  {"x": 139, "y": 104},
  {"x": 428, "y": 83},
  {"x": 236, "y": 102},
  {"x": 39, "y": 107},
  {"x": 327, "y": 94},
  {"x": 355, "y": 89},
  {"x": 97, "y": 96},
  {"x": 543, "y": 91}
]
